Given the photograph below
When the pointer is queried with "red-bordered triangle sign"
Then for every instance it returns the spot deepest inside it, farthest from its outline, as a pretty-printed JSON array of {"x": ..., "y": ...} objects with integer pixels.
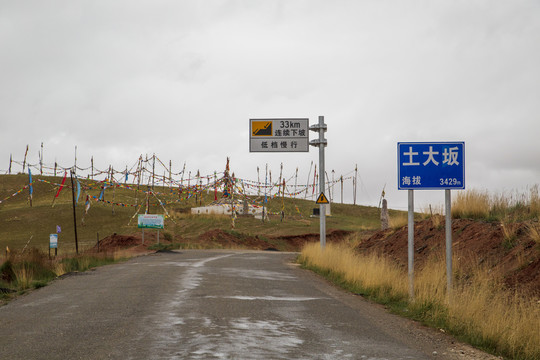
[{"x": 322, "y": 199}]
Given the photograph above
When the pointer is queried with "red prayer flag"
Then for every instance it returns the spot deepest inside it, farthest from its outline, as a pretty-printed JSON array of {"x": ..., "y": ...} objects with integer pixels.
[{"x": 62, "y": 184}]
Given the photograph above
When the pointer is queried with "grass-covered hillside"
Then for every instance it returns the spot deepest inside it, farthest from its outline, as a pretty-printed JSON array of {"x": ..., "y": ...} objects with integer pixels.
[{"x": 22, "y": 222}]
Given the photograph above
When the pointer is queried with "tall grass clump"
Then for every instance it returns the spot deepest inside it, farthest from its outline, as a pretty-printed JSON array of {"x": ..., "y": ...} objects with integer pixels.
[
  {"x": 479, "y": 310},
  {"x": 533, "y": 230},
  {"x": 472, "y": 204},
  {"x": 34, "y": 269},
  {"x": 534, "y": 201},
  {"x": 476, "y": 204}
]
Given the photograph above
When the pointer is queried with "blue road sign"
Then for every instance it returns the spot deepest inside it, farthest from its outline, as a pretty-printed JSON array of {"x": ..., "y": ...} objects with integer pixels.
[{"x": 437, "y": 165}]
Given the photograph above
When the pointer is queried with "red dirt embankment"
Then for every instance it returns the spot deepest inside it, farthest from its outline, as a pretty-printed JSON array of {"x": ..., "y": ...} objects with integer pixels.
[
  {"x": 516, "y": 259},
  {"x": 278, "y": 243},
  {"x": 221, "y": 239}
]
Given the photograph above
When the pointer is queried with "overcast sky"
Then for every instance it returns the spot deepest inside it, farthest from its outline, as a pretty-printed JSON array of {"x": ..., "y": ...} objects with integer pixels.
[{"x": 181, "y": 79}]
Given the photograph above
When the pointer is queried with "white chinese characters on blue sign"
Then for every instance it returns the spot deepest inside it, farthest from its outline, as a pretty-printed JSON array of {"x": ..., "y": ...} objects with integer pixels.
[{"x": 437, "y": 165}]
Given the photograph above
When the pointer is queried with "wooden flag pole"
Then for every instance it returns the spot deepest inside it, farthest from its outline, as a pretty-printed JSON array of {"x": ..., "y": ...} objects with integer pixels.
[
  {"x": 74, "y": 213},
  {"x": 24, "y": 161},
  {"x": 41, "y": 160}
]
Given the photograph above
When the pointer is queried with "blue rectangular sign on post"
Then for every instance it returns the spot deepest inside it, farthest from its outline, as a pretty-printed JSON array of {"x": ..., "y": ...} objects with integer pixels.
[
  {"x": 437, "y": 165},
  {"x": 53, "y": 241}
]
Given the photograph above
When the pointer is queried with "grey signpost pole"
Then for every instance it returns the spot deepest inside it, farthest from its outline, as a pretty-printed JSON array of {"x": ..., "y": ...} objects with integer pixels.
[
  {"x": 321, "y": 144},
  {"x": 448, "y": 224},
  {"x": 411, "y": 243}
]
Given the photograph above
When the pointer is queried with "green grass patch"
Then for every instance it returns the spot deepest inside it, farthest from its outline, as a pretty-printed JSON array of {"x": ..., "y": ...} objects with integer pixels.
[{"x": 24, "y": 225}]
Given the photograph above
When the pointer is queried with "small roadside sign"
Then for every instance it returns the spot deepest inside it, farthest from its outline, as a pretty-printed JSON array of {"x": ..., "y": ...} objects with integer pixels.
[
  {"x": 150, "y": 221},
  {"x": 322, "y": 199},
  {"x": 53, "y": 241}
]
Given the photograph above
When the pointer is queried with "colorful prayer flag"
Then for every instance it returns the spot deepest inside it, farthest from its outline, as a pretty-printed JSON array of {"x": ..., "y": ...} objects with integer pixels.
[
  {"x": 87, "y": 204},
  {"x": 30, "y": 182},
  {"x": 78, "y": 191},
  {"x": 62, "y": 184}
]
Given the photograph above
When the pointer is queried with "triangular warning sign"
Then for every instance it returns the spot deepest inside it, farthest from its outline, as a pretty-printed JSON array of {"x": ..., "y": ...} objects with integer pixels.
[{"x": 322, "y": 199}]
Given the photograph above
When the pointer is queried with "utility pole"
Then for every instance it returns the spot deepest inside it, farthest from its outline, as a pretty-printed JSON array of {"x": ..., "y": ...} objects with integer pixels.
[{"x": 321, "y": 143}]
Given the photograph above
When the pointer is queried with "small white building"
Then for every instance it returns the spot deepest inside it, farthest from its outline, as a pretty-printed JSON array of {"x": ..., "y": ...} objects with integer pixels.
[{"x": 226, "y": 209}]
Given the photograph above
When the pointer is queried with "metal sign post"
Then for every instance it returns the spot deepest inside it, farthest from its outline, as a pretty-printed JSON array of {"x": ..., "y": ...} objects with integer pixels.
[
  {"x": 448, "y": 230},
  {"x": 431, "y": 166},
  {"x": 321, "y": 144},
  {"x": 292, "y": 135},
  {"x": 410, "y": 243}
]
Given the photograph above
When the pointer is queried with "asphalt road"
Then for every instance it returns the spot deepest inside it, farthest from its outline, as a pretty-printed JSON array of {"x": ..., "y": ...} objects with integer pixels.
[{"x": 209, "y": 305}]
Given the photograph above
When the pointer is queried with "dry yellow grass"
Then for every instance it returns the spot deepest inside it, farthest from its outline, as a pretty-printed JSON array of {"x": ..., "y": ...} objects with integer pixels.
[
  {"x": 59, "y": 269},
  {"x": 479, "y": 308},
  {"x": 509, "y": 230},
  {"x": 534, "y": 200},
  {"x": 368, "y": 271},
  {"x": 533, "y": 230},
  {"x": 471, "y": 203},
  {"x": 437, "y": 221},
  {"x": 24, "y": 276},
  {"x": 398, "y": 221},
  {"x": 479, "y": 204}
]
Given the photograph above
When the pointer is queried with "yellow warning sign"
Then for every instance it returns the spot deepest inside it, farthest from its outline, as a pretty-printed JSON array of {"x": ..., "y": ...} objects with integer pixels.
[
  {"x": 322, "y": 199},
  {"x": 261, "y": 128}
]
